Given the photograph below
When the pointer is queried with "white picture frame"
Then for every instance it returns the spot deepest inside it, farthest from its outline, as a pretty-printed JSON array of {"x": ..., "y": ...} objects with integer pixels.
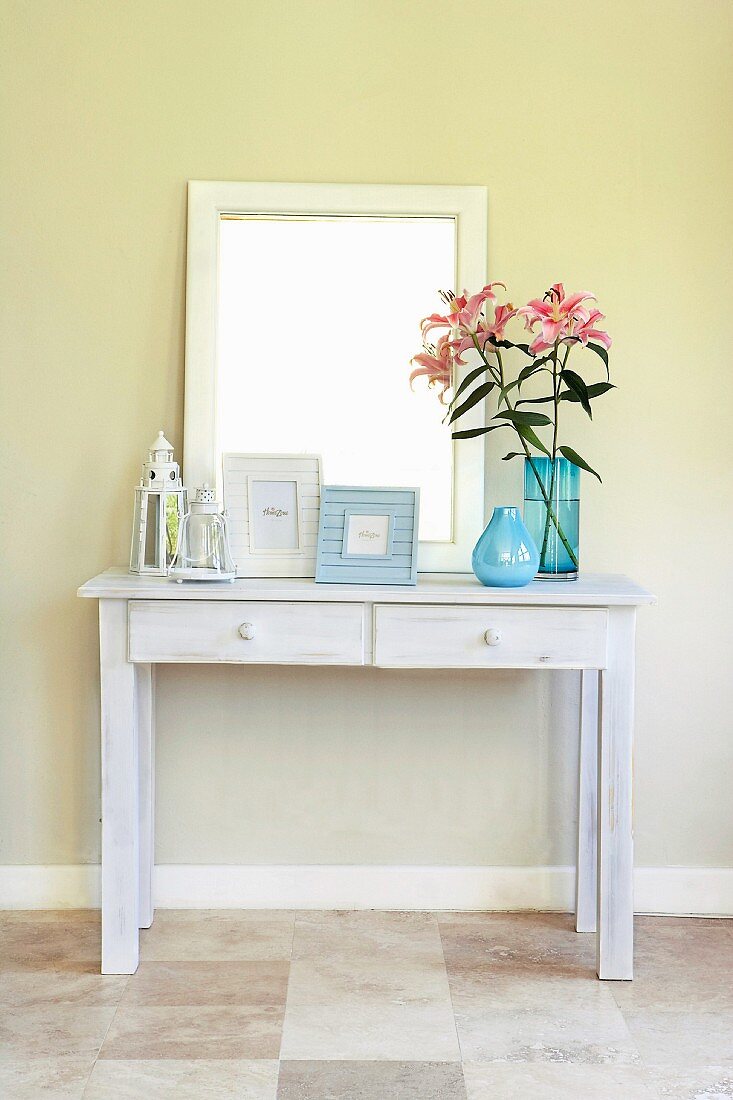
[
  {"x": 209, "y": 201},
  {"x": 260, "y": 492}
]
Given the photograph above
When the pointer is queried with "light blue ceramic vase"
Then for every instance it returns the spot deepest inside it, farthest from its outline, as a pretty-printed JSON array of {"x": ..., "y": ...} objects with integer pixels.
[{"x": 505, "y": 556}]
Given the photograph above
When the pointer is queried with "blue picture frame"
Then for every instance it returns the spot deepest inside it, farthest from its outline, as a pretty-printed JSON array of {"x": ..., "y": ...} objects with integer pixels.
[{"x": 387, "y": 519}]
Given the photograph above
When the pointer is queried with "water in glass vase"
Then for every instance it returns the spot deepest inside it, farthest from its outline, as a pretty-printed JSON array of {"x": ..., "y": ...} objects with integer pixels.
[{"x": 552, "y": 515}]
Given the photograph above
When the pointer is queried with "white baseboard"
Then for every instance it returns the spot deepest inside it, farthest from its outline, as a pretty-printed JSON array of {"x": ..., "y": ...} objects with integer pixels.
[
  {"x": 366, "y": 887},
  {"x": 684, "y": 891}
]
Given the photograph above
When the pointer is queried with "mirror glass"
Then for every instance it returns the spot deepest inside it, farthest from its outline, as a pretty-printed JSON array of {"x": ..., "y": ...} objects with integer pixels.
[{"x": 318, "y": 318}]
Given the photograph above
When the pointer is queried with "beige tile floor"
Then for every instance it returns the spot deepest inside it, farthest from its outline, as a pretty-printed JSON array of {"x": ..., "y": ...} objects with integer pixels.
[{"x": 363, "y": 1006}]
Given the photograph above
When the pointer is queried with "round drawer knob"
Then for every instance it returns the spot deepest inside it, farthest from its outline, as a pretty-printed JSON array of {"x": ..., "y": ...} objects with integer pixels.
[
  {"x": 247, "y": 631},
  {"x": 492, "y": 636}
]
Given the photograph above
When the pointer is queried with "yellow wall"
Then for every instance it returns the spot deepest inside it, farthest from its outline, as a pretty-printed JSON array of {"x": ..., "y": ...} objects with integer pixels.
[{"x": 603, "y": 133}]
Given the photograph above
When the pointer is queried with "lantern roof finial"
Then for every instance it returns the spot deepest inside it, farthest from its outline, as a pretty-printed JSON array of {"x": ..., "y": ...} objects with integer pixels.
[{"x": 160, "y": 443}]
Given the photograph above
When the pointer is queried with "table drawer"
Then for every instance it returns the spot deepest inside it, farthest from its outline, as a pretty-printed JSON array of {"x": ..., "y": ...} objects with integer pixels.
[
  {"x": 246, "y": 632},
  {"x": 486, "y": 637}
]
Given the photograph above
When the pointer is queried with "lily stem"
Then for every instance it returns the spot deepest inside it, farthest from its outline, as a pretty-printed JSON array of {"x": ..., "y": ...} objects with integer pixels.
[
  {"x": 498, "y": 377},
  {"x": 556, "y": 405}
]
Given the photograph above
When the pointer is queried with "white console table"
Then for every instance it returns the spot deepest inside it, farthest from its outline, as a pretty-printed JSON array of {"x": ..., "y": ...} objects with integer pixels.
[{"x": 446, "y": 621}]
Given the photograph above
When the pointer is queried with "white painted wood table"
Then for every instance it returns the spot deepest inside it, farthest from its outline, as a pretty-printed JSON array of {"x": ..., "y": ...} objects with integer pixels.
[{"x": 446, "y": 621}]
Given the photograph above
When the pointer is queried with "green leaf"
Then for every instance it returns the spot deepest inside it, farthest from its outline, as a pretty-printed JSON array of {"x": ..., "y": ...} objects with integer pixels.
[
  {"x": 600, "y": 387},
  {"x": 513, "y": 454},
  {"x": 577, "y": 386},
  {"x": 595, "y": 390},
  {"x": 602, "y": 353},
  {"x": 503, "y": 394},
  {"x": 530, "y": 436},
  {"x": 508, "y": 344},
  {"x": 470, "y": 377},
  {"x": 527, "y": 372},
  {"x": 470, "y": 433},
  {"x": 473, "y": 399},
  {"x": 536, "y": 400},
  {"x": 575, "y": 458},
  {"x": 516, "y": 417}
]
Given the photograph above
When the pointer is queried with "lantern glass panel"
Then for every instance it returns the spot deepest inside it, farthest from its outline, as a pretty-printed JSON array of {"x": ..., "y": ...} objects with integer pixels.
[
  {"x": 151, "y": 531},
  {"x": 172, "y": 505}
]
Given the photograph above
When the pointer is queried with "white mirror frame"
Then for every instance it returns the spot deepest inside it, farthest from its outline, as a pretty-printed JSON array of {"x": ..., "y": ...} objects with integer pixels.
[{"x": 208, "y": 200}]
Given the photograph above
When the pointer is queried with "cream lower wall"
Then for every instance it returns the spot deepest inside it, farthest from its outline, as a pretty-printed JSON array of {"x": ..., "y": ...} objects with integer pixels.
[
  {"x": 364, "y": 766},
  {"x": 603, "y": 133}
]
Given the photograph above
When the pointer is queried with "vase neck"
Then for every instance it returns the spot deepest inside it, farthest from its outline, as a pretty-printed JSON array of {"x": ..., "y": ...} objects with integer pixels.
[{"x": 503, "y": 510}]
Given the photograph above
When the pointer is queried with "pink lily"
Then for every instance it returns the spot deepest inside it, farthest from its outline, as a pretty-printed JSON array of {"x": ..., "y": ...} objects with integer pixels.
[
  {"x": 502, "y": 317},
  {"x": 464, "y": 315},
  {"x": 495, "y": 329},
  {"x": 556, "y": 312},
  {"x": 467, "y": 318},
  {"x": 585, "y": 330},
  {"x": 437, "y": 364},
  {"x": 444, "y": 320}
]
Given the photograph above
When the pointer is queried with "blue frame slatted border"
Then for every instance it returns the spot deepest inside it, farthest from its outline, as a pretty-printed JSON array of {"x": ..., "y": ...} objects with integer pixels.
[{"x": 399, "y": 566}]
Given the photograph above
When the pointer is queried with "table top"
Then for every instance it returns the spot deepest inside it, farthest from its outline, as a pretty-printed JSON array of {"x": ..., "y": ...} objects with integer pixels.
[{"x": 589, "y": 590}]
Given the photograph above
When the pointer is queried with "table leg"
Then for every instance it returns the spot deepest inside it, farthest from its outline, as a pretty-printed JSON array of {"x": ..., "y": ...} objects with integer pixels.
[
  {"x": 586, "y": 892},
  {"x": 145, "y": 698},
  {"x": 120, "y": 823},
  {"x": 615, "y": 835}
]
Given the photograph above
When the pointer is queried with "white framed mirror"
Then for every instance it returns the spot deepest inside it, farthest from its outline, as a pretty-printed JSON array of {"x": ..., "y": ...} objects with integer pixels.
[{"x": 302, "y": 314}]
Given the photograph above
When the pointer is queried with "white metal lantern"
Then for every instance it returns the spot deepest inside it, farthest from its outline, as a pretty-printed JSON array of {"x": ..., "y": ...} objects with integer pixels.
[
  {"x": 160, "y": 504},
  {"x": 203, "y": 552}
]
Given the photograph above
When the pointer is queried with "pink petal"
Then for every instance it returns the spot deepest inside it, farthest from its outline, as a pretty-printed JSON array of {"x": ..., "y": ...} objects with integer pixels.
[
  {"x": 416, "y": 374},
  {"x": 599, "y": 336},
  {"x": 567, "y": 305},
  {"x": 539, "y": 344},
  {"x": 551, "y": 330},
  {"x": 537, "y": 306}
]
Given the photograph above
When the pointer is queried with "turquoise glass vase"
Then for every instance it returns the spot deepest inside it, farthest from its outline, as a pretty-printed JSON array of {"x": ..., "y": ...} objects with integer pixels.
[
  {"x": 505, "y": 556},
  {"x": 552, "y": 514}
]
